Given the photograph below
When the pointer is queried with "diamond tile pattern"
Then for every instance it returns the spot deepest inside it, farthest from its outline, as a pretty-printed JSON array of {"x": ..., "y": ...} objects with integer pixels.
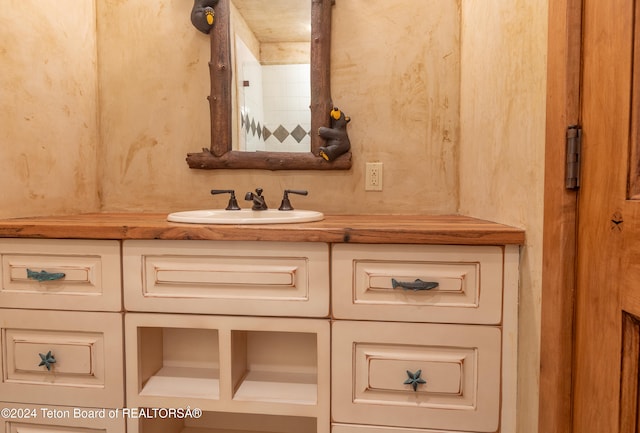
[
  {"x": 250, "y": 126},
  {"x": 298, "y": 133},
  {"x": 281, "y": 133}
]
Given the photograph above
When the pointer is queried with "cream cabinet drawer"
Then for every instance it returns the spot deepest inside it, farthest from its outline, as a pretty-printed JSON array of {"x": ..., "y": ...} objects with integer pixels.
[
  {"x": 416, "y": 375},
  {"x": 343, "y": 428},
  {"x": 60, "y": 274},
  {"x": 227, "y": 422},
  {"x": 238, "y": 278},
  {"x": 28, "y": 418},
  {"x": 418, "y": 283},
  {"x": 56, "y": 357}
]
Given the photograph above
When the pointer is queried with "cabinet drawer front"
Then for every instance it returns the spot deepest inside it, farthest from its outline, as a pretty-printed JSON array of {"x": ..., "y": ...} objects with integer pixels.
[
  {"x": 22, "y": 427},
  {"x": 60, "y": 274},
  {"x": 30, "y": 418},
  {"x": 417, "y": 283},
  {"x": 342, "y": 428},
  {"x": 257, "y": 278},
  {"x": 74, "y": 354},
  {"x": 416, "y": 375},
  {"x": 78, "y": 358}
]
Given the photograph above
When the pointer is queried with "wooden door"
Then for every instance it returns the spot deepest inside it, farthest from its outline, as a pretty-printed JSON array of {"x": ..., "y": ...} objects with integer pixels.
[{"x": 607, "y": 332}]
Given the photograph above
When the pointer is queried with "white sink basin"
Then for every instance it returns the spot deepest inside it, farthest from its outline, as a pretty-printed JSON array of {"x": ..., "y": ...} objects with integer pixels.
[{"x": 244, "y": 216}]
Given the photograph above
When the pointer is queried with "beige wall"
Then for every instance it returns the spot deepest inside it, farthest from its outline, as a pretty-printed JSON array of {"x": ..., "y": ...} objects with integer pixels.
[
  {"x": 48, "y": 107},
  {"x": 103, "y": 119},
  {"x": 502, "y": 150}
]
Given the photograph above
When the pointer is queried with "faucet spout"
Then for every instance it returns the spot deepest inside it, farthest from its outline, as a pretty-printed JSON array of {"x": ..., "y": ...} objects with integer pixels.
[{"x": 259, "y": 202}]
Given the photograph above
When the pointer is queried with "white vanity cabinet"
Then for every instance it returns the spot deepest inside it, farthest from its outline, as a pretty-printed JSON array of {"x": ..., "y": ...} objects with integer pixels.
[{"x": 349, "y": 325}]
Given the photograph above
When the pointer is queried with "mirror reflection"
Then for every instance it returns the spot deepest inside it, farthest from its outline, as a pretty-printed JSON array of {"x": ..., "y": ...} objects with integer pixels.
[{"x": 271, "y": 49}]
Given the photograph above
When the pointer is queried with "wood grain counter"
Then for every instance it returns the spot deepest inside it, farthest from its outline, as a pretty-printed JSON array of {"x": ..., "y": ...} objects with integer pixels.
[{"x": 409, "y": 229}]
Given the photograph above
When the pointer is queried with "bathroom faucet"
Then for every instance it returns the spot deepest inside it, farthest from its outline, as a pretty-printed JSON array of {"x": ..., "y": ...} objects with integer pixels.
[{"x": 259, "y": 202}]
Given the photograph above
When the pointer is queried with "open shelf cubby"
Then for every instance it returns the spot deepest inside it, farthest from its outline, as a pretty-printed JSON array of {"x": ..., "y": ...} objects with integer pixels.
[
  {"x": 179, "y": 362},
  {"x": 274, "y": 366},
  {"x": 254, "y": 367},
  {"x": 221, "y": 422}
]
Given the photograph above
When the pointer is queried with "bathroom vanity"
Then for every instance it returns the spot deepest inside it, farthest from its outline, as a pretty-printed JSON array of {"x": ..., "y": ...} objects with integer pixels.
[{"x": 353, "y": 324}]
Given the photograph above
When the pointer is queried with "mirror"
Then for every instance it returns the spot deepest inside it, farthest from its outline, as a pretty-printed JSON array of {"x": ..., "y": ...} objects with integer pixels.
[
  {"x": 271, "y": 54},
  {"x": 226, "y": 149}
]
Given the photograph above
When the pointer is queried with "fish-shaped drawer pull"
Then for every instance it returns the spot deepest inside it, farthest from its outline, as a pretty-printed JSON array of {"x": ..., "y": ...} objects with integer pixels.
[
  {"x": 44, "y": 275},
  {"x": 418, "y": 284}
]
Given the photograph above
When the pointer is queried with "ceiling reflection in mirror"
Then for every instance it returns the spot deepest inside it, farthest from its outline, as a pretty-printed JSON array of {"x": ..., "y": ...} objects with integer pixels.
[{"x": 271, "y": 69}]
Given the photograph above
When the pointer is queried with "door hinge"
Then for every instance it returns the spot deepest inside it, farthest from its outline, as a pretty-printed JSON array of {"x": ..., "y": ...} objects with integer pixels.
[{"x": 573, "y": 157}]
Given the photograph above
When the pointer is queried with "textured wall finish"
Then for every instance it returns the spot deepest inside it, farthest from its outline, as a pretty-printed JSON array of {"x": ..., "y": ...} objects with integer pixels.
[
  {"x": 48, "y": 107},
  {"x": 502, "y": 150}
]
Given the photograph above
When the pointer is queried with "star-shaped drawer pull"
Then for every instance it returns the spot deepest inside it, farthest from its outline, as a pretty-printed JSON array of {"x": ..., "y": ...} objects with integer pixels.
[
  {"x": 46, "y": 360},
  {"x": 414, "y": 379}
]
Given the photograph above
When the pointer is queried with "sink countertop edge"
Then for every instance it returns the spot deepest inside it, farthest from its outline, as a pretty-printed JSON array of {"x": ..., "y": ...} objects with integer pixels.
[{"x": 406, "y": 229}]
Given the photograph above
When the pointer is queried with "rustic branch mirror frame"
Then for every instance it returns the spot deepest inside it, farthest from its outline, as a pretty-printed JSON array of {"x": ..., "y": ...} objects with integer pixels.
[{"x": 221, "y": 154}]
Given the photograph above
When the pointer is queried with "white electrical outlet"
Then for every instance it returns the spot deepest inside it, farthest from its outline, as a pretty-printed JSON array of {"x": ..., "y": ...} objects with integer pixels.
[{"x": 373, "y": 176}]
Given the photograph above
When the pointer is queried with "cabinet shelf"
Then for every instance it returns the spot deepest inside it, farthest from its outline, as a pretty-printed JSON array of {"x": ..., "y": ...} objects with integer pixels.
[
  {"x": 278, "y": 388},
  {"x": 276, "y": 367},
  {"x": 169, "y": 366},
  {"x": 184, "y": 382}
]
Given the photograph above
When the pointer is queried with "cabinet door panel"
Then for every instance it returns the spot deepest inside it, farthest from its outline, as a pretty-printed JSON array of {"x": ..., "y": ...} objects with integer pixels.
[
  {"x": 416, "y": 375},
  {"x": 29, "y": 418},
  {"x": 26, "y": 428},
  {"x": 418, "y": 283},
  {"x": 61, "y": 357},
  {"x": 60, "y": 274},
  {"x": 239, "y": 278},
  {"x": 343, "y": 428}
]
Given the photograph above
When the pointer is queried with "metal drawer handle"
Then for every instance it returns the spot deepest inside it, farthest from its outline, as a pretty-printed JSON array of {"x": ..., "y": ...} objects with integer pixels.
[
  {"x": 44, "y": 275},
  {"x": 46, "y": 360},
  {"x": 414, "y": 379},
  {"x": 418, "y": 284}
]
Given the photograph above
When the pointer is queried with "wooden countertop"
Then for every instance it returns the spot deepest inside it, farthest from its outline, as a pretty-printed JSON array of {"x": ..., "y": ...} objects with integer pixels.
[{"x": 411, "y": 229}]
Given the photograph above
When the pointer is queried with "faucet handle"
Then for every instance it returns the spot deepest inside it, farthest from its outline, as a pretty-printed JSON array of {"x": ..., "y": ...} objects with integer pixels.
[
  {"x": 286, "y": 204},
  {"x": 233, "y": 203}
]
